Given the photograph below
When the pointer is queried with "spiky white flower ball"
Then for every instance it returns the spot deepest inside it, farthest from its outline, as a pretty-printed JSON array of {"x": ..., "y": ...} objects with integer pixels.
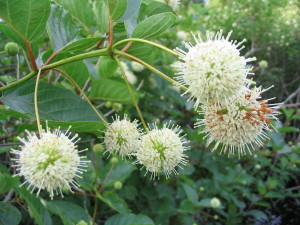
[
  {"x": 215, "y": 203},
  {"x": 162, "y": 150},
  {"x": 174, "y": 4},
  {"x": 129, "y": 74},
  {"x": 122, "y": 137},
  {"x": 239, "y": 122},
  {"x": 213, "y": 69},
  {"x": 137, "y": 67},
  {"x": 50, "y": 162}
]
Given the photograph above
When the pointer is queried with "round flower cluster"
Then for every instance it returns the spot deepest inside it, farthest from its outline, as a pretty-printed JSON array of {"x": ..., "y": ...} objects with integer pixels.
[
  {"x": 159, "y": 150},
  {"x": 234, "y": 116},
  {"x": 122, "y": 137},
  {"x": 237, "y": 123},
  {"x": 50, "y": 162},
  {"x": 162, "y": 150},
  {"x": 213, "y": 70}
]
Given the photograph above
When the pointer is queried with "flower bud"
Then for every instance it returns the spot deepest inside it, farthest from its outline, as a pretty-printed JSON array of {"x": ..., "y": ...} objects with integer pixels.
[
  {"x": 98, "y": 148},
  {"x": 12, "y": 48},
  {"x": 117, "y": 107},
  {"x": 82, "y": 222},
  {"x": 114, "y": 160},
  {"x": 118, "y": 185},
  {"x": 108, "y": 104}
]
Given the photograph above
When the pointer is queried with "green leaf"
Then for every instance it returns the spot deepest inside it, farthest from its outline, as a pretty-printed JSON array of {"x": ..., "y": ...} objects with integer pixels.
[
  {"x": 257, "y": 214},
  {"x": 61, "y": 27},
  {"x": 157, "y": 7},
  {"x": 28, "y": 18},
  {"x": 107, "y": 67},
  {"x": 110, "y": 90},
  {"x": 68, "y": 212},
  {"x": 288, "y": 129},
  {"x": 36, "y": 206},
  {"x": 80, "y": 45},
  {"x": 146, "y": 55},
  {"x": 116, "y": 8},
  {"x": 120, "y": 172},
  {"x": 59, "y": 105},
  {"x": 154, "y": 25},
  {"x": 114, "y": 201},
  {"x": 132, "y": 7},
  {"x": 190, "y": 192},
  {"x": 12, "y": 113},
  {"x": 80, "y": 9},
  {"x": 9, "y": 214},
  {"x": 7, "y": 182},
  {"x": 78, "y": 71},
  {"x": 102, "y": 16},
  {"x": 88, "y": 178},
  {"x": 129, "y": 219}
]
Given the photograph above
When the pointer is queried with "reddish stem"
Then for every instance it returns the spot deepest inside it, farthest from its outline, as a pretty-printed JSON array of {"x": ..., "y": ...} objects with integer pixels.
[
  {"x": 32, "y": 59},
  {"x": 111, "y": 33},
  {"x": 127, "y": 46}
]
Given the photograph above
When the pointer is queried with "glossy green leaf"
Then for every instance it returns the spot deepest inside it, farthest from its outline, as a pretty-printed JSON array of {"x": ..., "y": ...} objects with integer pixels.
[
  {"x": 110, "y": 90},
  {"x": 80, "y": 45},
  {"x": 116, "y": 8},
  {"x": 59, "y": 105},
  {"x": 288, "y": 129},
  {"x": 107, "y": 67},
  {"x": 61, "y": 27},
  {"x": 114, "y": 201},
  {"x": 36, "y": 206},
  {"x": 190, "y": 192},
  {"x": 120, "y": 172},
  {"x": 9, "y": 215},
  {"x": 102, "y": 16},
  {"x": 28, "y": 18},
  {"x": 129, "y": 219},
  {"x": 257, "y": 214},
  {"x": 7, "y": 182},
  {"x": 80, "y": 9},
  {"x": 132, "y": 7},
  {"x": 154, "y": 25},
  {"x": 68, "y": 212},
  {"x": 157, "y": 7}
]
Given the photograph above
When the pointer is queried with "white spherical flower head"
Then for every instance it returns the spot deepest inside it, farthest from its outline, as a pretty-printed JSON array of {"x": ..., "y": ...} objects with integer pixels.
[
  {"x": 213, "y": 69},
  {"x": 122, "y": 137},
  {"x": 239, "y": 122},
  {"x": 137, "y": 67},
  {"x": 215, "y": 203},
  {"x": 182, "y": 35},
  {"x": 162, "y": 150},
  {"x": 51, "y": 162}
]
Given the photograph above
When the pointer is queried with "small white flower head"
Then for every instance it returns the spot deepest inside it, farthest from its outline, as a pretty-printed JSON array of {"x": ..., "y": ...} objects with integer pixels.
[
  {"x": 213, "y": 69},
  {"x": 174, "y": 4},
  {"x": 122, "y": 137},
  {"x": 136, "y": 67},
  {"x": 215, "y": 203},
  {"x": 239, "y": 122},
  {"x": 162, "y": 150},
  {"x": 51, "y": 162},
  {"x": 129, "y": 74}
]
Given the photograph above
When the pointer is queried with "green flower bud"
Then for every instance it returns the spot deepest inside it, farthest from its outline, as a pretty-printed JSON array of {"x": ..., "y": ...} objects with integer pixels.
[
  {"x": 114, "y": 160},
  {"x": 108, "y": 104},
  {"x": 98, "y": 148},
  {"x": 82, "y": 222},
  {"x": 118, "y": 185},
  {"x": 216, "y": 217},
  {"x": 263, "y": 64},
  {"x": 12, "y": 48},
  {"x": 117, "y": 107},
  {"x": 201, "y": 188}
]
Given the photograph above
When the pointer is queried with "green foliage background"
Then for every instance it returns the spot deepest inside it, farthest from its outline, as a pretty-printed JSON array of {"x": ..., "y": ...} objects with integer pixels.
[{"x": 262, "y": 188}]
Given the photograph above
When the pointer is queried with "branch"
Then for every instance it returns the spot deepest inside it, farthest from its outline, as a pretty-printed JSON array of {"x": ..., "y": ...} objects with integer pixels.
[{"x": 32, "y": 59}]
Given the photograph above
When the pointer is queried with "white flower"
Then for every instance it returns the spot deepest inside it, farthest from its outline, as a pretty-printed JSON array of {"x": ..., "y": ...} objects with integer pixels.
[
  {"x": 162, "y": 150},
  {"x": 129, "y": 74},
  {"x": 122, "y": 137},
  {"x": 51, "y": 162},
  {"x": 137, "y": 67},
  {"x": 174, "y": 4},
  {"x": 239, "y": 122},
  {"x": 182, "y": 35},
  {"x": 215, "y": 203},
  {"x": 213, "y": 70}
]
